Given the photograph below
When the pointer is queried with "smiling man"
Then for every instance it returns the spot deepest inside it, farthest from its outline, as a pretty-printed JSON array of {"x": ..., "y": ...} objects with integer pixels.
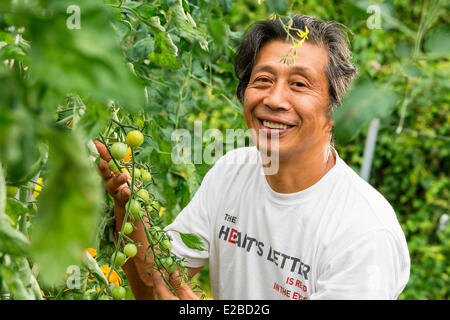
[{"x": 313, "y": 229}]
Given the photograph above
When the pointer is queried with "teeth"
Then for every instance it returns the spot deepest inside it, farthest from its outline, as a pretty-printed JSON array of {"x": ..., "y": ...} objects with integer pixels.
[{"x": 274, "y": 125}]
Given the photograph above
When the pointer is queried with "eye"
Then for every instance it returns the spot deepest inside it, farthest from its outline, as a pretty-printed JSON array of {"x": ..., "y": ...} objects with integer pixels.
[
  {"x": 262, "y": 79},
  {"x": 299, "y": 84}
]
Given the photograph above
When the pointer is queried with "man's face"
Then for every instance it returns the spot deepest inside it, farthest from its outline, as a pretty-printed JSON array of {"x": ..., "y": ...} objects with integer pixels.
[{"x": 290, "y": 100}]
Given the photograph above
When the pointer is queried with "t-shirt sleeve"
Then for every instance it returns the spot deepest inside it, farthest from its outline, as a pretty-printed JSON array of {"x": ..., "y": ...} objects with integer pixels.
[
  {"x": 195, "y": 218},
  {"x": 376, "y": 266}
]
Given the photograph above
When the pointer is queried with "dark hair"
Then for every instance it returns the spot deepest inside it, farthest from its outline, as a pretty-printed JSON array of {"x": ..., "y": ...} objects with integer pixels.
[{"x": 332, "y": 35}]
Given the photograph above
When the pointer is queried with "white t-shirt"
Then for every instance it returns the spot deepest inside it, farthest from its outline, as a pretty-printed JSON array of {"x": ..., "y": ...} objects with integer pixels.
[{"x": 338, "y": 239}]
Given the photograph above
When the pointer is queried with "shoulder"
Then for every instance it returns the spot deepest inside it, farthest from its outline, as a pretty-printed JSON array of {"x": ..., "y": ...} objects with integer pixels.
[
  {"x": 364, "y": 209},
  {"x": 370, "y": 201},
  {"x": 363, "y": 225}
]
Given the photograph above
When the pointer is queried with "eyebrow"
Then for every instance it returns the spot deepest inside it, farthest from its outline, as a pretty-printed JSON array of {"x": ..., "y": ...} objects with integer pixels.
[{"x": 304, "y": 70}]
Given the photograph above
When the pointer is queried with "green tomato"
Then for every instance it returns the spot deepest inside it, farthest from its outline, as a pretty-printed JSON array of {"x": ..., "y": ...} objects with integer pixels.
[
  {"x": 135, "y": 209},
  {"x": 172, "y": 268},
  {"x": 120, "y": 259},
  {"x": 143, "y": 194},
  {"x": 145, "y": 175},
  {"x": 128, "y": 228},
  {"x": 118, "y": 293},
  {"x": 156, "y": 233},
  {"x": 134, "y": 138},
  {"x": 167, "y": 264},
  {"x": 119, "y": 150},
  {"x": 11, "y": 191},
  {"x": 166, "y": 243},
  {"x": 130, "y": 250},
  {"x": 137, "y": 173},
  {"x": 153, "y": 207}
]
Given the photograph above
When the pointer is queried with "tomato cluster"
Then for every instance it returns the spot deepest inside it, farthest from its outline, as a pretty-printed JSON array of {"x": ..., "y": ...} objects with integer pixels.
[{"x": 141, "y": 208}]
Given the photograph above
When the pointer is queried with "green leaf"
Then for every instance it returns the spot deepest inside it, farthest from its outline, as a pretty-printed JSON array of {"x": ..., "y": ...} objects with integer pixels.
[
  {"x": 69, "y": 206},
  {"x": 155, "y": 22},
  {"x": 141, "y": 49},
  {"x": 14, "y": 209},
  {"x": 22, "y": 156},
  {"x": 132, "y": 4},
  {"x": 165, "y": 52},
  {"x": 168, "y": 42},
  {"x": 226, "y": 6},
  {"x": 12, "y": 51},
  {"x": 277, "y": 6},
  {"x": 363, "y": 103},
  {"x": 438, "y": 43},
  {"x": 2, "y": 194},
  {"x": 87, "y": 60},
  {"x": 189, "y": 173},
  {"x": 12, "y": 241},
  {"x": 186, "y": 26},
  {"x": 192, "y": 241},
  {"x": 219, "y": 31}
]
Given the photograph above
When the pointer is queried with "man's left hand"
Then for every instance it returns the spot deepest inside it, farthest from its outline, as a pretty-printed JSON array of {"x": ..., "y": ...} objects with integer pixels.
[{"x": 181, "y": 288}]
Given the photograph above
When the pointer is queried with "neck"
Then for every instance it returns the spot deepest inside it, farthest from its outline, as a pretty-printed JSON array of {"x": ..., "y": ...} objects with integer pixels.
[{"x": 297, "y": 173}]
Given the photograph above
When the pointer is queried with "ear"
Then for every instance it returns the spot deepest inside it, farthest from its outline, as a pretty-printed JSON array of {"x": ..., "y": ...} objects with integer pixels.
[{"x": 329, "y": 126}]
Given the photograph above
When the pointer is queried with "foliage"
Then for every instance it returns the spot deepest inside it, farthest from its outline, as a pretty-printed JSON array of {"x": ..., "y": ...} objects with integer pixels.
[{"x": 163, "y": 65}]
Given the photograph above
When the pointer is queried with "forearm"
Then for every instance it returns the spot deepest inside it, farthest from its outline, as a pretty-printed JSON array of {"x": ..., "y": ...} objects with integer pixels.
[{"x": 135, "y": 268}]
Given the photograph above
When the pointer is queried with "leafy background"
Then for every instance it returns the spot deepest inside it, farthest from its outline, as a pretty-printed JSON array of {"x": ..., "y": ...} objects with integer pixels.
[{"x": 167, "y": 64}]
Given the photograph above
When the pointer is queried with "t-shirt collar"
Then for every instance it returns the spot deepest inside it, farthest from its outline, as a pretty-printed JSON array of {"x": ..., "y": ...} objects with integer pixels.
[{"x": 300, "y": 196}]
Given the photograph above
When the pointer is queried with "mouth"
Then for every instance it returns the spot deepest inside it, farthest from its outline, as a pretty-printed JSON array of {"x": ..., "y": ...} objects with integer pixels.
[{"x": 275, "y": 127}]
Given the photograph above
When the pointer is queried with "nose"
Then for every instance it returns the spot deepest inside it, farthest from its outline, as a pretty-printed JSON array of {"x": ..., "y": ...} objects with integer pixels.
[{"x": 276, "y": 98}]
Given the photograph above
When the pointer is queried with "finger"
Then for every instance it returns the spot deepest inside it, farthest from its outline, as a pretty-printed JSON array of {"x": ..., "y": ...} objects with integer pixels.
[
  {"x": 102, "y": 150},
  {"x": 118, "y": 188},
  {"x": 113, "y": 184},
  {"x": 160, "y": 288},
  {"x": 104, "y": 170},
  {"x": 181, "y": 288},
  {"x": 123, "y": 195}
]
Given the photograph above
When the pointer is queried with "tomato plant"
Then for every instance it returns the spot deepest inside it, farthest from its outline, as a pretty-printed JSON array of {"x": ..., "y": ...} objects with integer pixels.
[{"x": 58, "y": 96}]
